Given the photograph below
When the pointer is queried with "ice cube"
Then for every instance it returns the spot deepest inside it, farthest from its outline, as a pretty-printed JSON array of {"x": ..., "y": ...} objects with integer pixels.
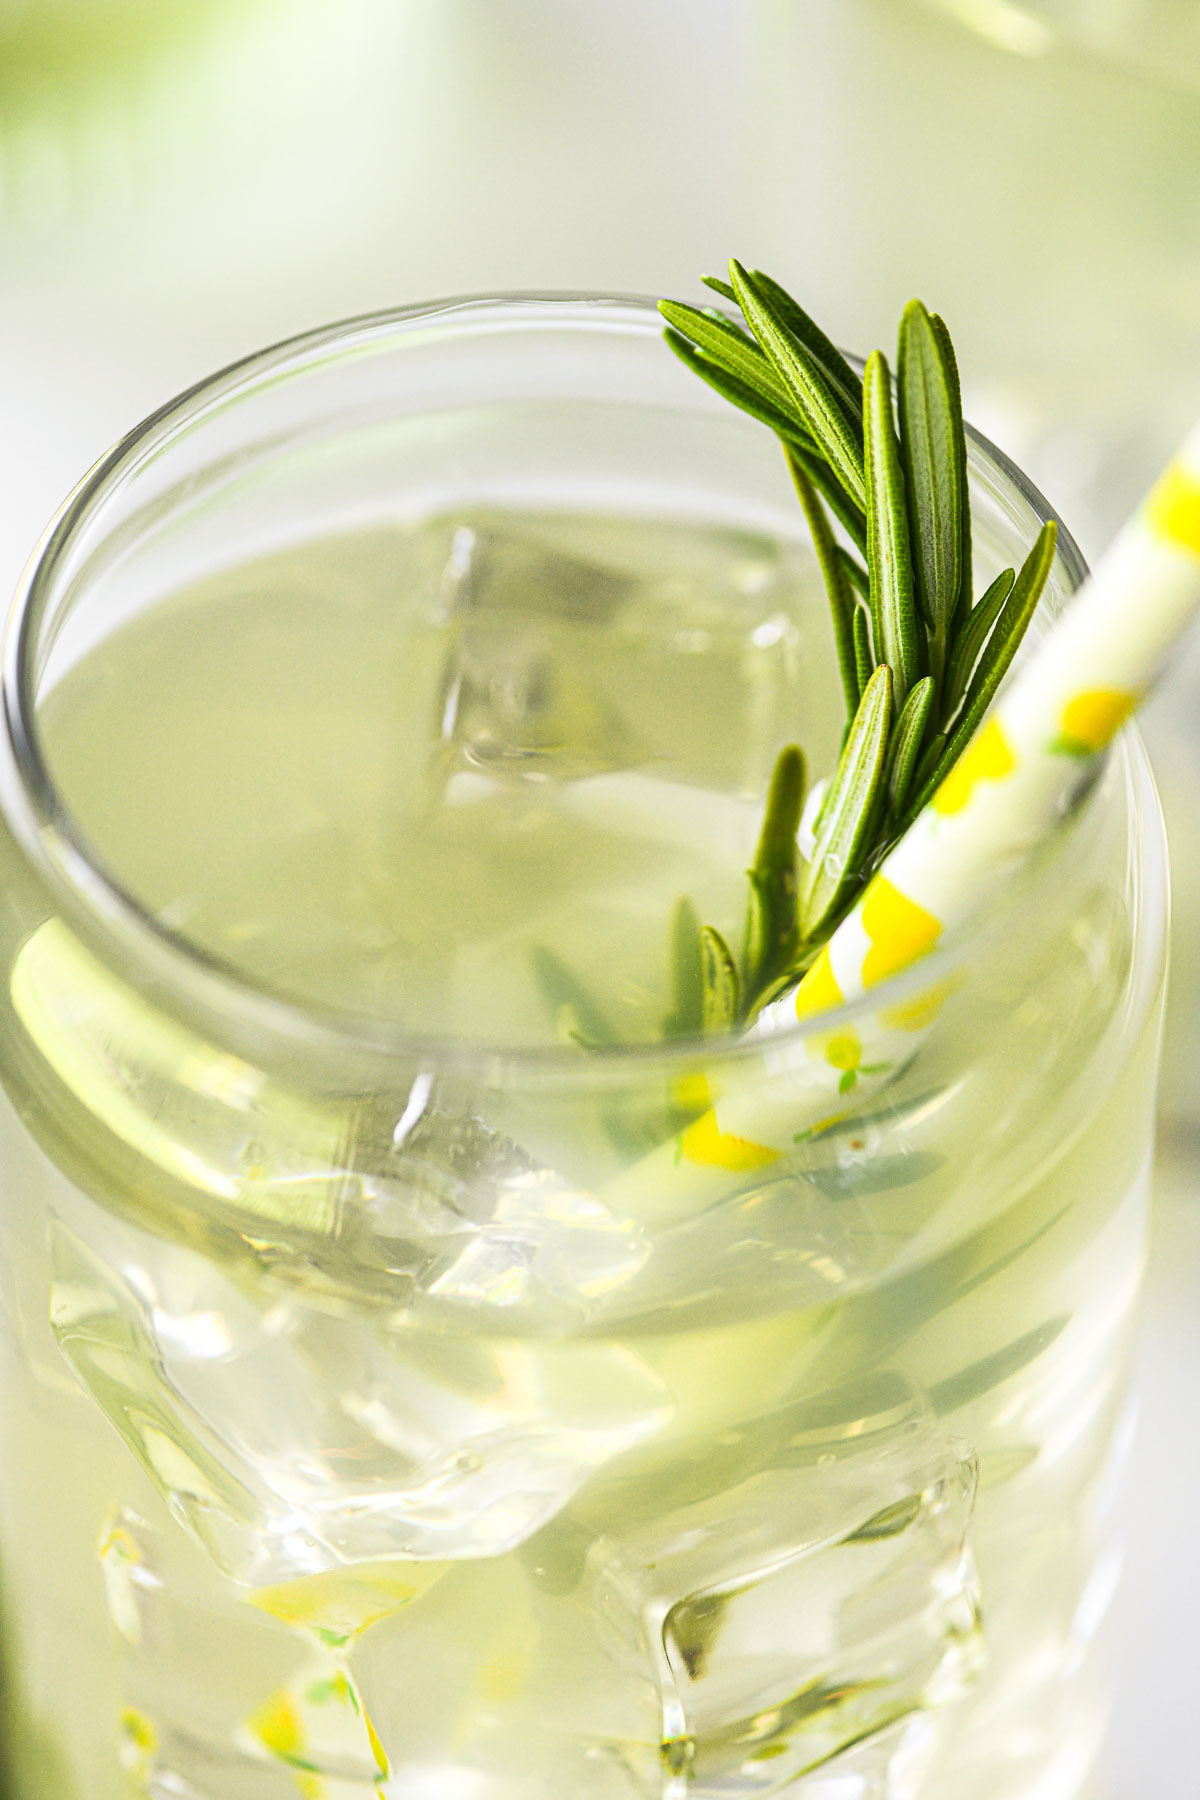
[
  {"x": 889, "y": 1765},
  {"x": 496, "y": 1688},
  {"x": 318, "y": 1724},
  {"x": 795, "y": 1629},
  {"x": 232, "y": 1695},
  {"x": 578, "y": 645},
  {"x": 194, "y": 1661},
  {"x": 311, "y": 1739},
  {"x": 509, "y": 695},
  {"x": 801, "y": 1613},
  {"x": 132, "y": 1582},
  {"x": 481, "y": 1222},
  {"x": 545, "y": 1240},
  {"x": 292, "y": 1438}
]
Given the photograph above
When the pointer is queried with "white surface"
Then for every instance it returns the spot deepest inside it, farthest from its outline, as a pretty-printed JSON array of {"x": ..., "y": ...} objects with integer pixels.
[{"x": 1151, "y": 1754}]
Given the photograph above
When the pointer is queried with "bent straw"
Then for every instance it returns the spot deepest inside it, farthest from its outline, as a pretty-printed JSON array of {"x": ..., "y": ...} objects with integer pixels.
[{"x": 1020, "y": 773}]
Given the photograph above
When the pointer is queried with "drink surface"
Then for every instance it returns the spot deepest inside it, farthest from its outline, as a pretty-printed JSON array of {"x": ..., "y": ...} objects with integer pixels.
[
  {"x": 403, "y": 767},
  {"x": 436, "y": 1469}
]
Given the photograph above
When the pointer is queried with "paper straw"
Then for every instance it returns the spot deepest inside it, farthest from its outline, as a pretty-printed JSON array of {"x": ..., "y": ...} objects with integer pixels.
[{"x": 1016, "y": 777}]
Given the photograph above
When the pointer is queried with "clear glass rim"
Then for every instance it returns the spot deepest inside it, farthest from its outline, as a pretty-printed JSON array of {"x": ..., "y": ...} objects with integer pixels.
[{"x": 149, "y": 953}]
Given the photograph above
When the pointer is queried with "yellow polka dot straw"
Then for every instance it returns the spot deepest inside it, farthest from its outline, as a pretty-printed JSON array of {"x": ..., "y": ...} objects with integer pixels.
[{"x": 1012, "y": 782}]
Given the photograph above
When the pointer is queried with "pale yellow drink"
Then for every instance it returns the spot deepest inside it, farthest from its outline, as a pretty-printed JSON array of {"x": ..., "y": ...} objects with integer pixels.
[{"x": 365, "y": 1444}]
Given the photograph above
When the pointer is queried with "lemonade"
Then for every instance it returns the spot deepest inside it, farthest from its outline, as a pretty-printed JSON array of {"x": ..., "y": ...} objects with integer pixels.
[{"x": 369, "y": 1435}]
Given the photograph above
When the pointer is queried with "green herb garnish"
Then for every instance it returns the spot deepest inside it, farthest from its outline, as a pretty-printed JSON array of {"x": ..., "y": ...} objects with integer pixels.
[{"x": 919, "y": 661}]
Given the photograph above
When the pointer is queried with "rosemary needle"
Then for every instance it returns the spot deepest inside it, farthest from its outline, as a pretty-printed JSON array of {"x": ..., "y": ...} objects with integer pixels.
[{"x": 918, "y": 660}]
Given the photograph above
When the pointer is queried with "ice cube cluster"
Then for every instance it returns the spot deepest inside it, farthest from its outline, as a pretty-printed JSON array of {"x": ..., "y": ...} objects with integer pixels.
[{"x": 796, "y": 1630}]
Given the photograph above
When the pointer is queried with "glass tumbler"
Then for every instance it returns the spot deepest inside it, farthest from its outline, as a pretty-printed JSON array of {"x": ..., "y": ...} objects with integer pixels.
[{"x": 399, "y": 1397}]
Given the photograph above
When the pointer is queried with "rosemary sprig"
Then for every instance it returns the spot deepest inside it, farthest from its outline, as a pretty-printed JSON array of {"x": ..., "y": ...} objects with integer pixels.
[{"x": 919, "y": 663}]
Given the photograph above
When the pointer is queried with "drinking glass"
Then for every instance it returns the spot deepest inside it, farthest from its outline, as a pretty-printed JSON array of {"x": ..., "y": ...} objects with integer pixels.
[{"x": 404, "y": 1393}]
